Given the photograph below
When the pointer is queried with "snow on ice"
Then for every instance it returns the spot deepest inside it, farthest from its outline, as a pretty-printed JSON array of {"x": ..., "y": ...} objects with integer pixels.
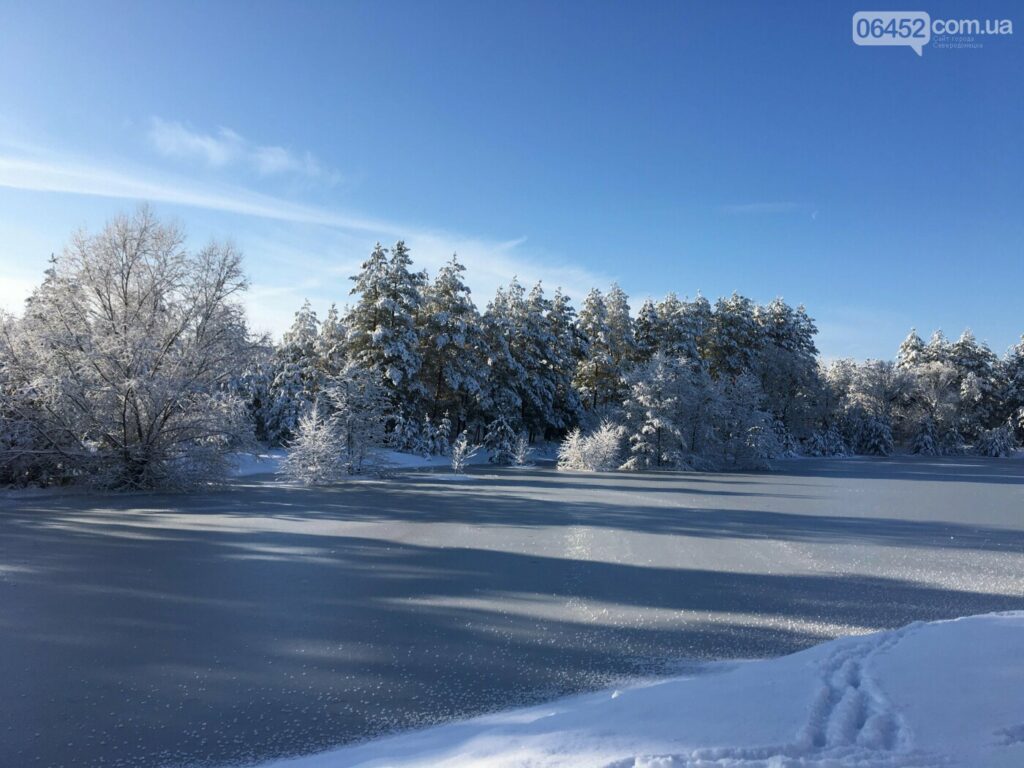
[{"x": 942, "y": 693}]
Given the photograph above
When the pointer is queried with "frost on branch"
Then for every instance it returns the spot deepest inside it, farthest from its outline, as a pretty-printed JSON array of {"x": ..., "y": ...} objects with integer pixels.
[
  {"x": 462, "y": 453},
  {"x": 122, "y": 361}
]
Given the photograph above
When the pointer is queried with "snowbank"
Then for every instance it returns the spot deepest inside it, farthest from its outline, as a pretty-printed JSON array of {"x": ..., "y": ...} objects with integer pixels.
[
  {"x": 949, "y": 693},
  {"x": 269, "y": 461}
]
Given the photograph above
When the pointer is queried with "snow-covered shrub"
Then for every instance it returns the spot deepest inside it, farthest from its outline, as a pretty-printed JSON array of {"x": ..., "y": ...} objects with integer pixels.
[
  {"x": 500, "y": 441},
  {"x": 570, "y": 450},
  {"x": 315, "y": 455},
  {"x": 875, "y": 437},
  {"x": 462, "y": 452},
  {"x": 826, "y": 442},
  {"x": 951, "y": 443},
  {"x": 925, "y": 441},
  {"x": 998, "y": 442},
  {"x": 600, "y": 451},
  {"x": 521, "y": 451},
  {"x": 787, "y": 445}
]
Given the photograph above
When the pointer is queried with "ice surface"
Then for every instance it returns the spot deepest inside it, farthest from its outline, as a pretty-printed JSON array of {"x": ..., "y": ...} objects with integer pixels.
[{"x": 268, "y": 620}]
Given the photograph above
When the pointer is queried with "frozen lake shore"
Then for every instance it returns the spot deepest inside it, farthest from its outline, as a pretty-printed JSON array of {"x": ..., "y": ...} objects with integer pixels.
[{"x": 264, "y": 620}]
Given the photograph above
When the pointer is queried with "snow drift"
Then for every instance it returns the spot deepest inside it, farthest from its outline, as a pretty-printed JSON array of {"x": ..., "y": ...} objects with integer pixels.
[{"x": 944, "y": 693}]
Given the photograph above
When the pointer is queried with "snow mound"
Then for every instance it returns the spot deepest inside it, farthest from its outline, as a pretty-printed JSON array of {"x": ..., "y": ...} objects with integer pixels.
[
  {"x": 269, "y": 461},
  {"x": 247, "y": 464},
  {"x": 944, "y": 693}
]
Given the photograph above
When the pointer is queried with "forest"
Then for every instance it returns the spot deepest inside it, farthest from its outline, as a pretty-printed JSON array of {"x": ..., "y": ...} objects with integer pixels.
[{"x": 133, "y": 366}]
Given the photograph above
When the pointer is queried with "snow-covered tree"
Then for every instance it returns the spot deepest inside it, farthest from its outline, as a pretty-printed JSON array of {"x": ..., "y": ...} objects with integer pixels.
[
  {"x": 743, "y": 429},
  {"x": 428, "y": 438},
  {"x": 912, "y": 351},
  {"x": 315, "y": 453},
  {"x": 454, "y": 369},
  {"x": 298, "y": 376},
  {"x": 980, "y": 383},
  {"x": 383, "y": 325},
  {"x": 605, "y": 324},
  {"x": 330, "y": 344},
  {"x": 998, "y": 442},
  {"x": 254, "y": 384},
  {"x": 442, "y": 436},
  {"x": 125, "y": 356},
  {"x": 661, "y": 397},
  {"x": 826, "y": 442},
  {"x": 1013, "y": 385},
  {"x": 568, "y": 348},
  {"x": 926, "y": 439},
  {"x": 786, "y": 366},
  {"x": 646, "y": 331},
  {"x": 521, "y": 450},
  {"x": 733, "y": 337},
  {"x": 598, "y": 451},
  {"x": 462, "y": 452},
  {"x": 875, "y": 437},
  {"x": 360, "y": 408},
  {"x": 500, "y": 441},
  {"x": 506, "y": 380}
]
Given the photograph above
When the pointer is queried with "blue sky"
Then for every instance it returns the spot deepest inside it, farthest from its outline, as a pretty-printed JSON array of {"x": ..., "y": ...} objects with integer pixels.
[{"x": 704, "y": 147}]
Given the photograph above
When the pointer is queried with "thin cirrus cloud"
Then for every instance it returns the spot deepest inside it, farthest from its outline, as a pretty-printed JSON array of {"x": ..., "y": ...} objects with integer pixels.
[
  {"x": 226, "y": 148},
  {"x": 489, "y": 262}
]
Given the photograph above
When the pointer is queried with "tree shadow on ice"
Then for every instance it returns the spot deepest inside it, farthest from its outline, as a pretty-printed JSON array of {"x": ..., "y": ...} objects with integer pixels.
[{"x": 181, "y": 644}]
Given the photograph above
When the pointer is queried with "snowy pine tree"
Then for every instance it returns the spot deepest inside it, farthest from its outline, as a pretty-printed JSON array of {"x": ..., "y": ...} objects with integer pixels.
[
  {"x": 454, "y": 368},
  {"x": 298, "y": 376},
  {"x": 383, "y": 325},
  {"x": 360, "y": 408},
  {"x": 912, "y": 351},
  {"x": 500, "y": 441}
]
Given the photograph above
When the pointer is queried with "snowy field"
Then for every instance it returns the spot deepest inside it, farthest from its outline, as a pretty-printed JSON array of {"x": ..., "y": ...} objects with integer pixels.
[
  {"x": 266, "y": 621},
  {"x": 947, "y": 693}
]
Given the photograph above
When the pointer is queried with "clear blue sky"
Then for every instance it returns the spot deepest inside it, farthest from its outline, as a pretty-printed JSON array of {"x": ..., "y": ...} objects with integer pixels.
[{"x": 676, "y": 145}]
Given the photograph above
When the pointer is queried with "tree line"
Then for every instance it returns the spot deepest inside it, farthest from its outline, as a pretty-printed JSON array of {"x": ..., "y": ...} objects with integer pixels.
[{"x": 133, "y": 366}]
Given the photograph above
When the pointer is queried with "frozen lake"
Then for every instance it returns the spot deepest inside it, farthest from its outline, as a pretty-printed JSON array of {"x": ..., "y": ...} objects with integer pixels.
[{"x": 263, "y": 620}]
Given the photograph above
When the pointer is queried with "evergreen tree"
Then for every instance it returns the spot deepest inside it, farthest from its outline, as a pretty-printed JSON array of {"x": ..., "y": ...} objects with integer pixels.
[
  {"x": 733, "y": 341},
  {"x": 330, "y": 344},
  {"x": 360, "y": 408},
  {"x": 980, "y": 385},
  {"x": 595, "y": 369},
  {"x": 607, "y": 328},
  {"x": 912, "y": 351},
  {"x": 298, "y": 377},
  {"x": 646, "y": 331},
  {"x": 500, "y": 441},
  {"x": 383, "y": 325},
  {"x": 454, "y": 368},
  {"x": 506, "y": 380},
  {"x": 1013, "y": 385},
  {"x": 568, "y": 348}
]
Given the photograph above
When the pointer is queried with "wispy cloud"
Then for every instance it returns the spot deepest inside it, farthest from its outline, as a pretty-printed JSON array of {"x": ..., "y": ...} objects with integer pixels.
[
  {"x": 226, "y": 147},
  {"x": 344, "y": 237},
  {"x": 60, "y": 175}
]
